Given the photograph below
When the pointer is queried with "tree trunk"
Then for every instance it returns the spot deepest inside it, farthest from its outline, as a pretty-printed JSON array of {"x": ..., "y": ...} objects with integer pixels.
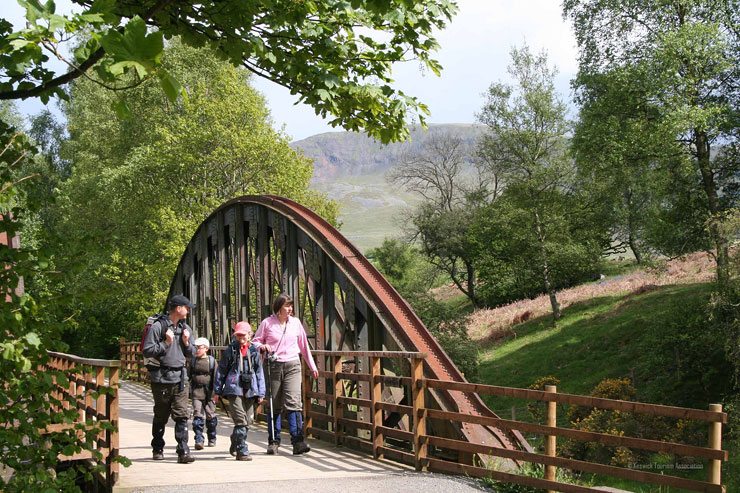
[
  {"x": 556, "y": 314},
  {"x": 631, "y": 227},
  {"x": 471, "y": 284},
  {"x": 721, "y": 242},
  {"x": 632, "y": 241}
]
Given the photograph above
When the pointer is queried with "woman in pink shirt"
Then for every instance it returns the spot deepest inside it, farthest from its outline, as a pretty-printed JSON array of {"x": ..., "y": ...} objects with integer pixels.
[{"x": 284, "y": 340}]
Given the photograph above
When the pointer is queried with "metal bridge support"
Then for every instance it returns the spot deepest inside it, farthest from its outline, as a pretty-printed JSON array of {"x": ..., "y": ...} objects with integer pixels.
[{"x": 255, "y": 247}]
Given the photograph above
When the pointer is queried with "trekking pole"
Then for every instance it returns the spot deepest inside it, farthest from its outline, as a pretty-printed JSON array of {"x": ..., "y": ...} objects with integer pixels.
[{"x": 269, "y": 382}]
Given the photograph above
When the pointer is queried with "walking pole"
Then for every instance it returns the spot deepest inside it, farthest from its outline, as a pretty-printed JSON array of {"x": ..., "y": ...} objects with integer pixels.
[{"x": 269, "y": 382}]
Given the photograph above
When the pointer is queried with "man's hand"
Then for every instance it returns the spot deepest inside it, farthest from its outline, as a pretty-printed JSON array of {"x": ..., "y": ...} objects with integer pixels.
[
  {"x": 169, "y": 336},
  {"x": 265, "y": 348},
  {"x": 185, "y": 336},
  {"x": 215, "y": 398}
]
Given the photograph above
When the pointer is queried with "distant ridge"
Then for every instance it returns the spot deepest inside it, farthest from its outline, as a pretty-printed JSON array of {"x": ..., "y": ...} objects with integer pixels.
[{"x": 342, "y": 154}]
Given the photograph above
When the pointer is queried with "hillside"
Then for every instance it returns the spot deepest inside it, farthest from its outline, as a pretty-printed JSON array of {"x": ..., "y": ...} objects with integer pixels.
[
  {"x": 652, "y": 326},
  {"x": 351, "y": 167}
]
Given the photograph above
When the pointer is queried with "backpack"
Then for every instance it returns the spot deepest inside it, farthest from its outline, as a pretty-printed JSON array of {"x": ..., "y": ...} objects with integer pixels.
[
  {"x": 211, "y": 363},
  {"x": 211, "y": 367},
  {"x": 149, "y": 322}
]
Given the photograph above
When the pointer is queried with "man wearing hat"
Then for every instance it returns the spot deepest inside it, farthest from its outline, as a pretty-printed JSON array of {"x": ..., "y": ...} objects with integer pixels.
[
  {"x": 169, "y": 343},
  {"x": 202, "y": 373}
]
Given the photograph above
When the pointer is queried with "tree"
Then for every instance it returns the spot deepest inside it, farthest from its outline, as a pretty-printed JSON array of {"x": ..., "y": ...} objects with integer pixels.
[
  {"x": 135, "y": 198},
  {"x": 413, "y": 276},
  {"x": 509, "y": 247},
  {"x": 687, "y": 52},
  {"x": 619, "y": 172},
  {"x": 336, "y": 55},
  {"x": 443, "y": 173},
  {"x": 526, "y": 147},
  {"x": 29, "y": 400}
]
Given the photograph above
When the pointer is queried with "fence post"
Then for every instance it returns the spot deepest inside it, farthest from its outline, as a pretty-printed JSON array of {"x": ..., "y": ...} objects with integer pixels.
[
  {"x": 123, "y": 358},
  {"x": 419, "y": 411},
  {"x": 550, "y": 440},
  {"x": 112, "y": 412},
  {"x": 376, "y": 397},
  {"x": 715, "y": 442},
  {"x": 338, "y": 391}
]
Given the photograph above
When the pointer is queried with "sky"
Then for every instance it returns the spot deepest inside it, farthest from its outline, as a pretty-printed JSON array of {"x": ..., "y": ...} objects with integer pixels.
[{"x": 475, "y": 51}]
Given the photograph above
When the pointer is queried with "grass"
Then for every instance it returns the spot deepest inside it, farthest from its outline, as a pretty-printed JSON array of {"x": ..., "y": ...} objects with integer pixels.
[
  {"x": 370, "y": 208},
  {"x": 621, "y": 335},
  {"x": 606, "y": 337}
]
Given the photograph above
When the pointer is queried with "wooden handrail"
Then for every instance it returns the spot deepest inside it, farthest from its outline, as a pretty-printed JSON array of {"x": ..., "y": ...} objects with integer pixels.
[
  {"x": 334, "y": 420},
  {"x": 93, "y": 390},
  {"x": 582, "y": 400}
]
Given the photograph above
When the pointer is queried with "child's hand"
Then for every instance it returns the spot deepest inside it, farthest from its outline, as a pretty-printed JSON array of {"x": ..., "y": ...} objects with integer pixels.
[{"x": 215, "y": 398}]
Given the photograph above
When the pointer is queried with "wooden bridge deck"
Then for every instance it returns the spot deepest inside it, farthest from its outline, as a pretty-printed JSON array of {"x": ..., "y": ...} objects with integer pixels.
[{"x": 215, "y": 465}]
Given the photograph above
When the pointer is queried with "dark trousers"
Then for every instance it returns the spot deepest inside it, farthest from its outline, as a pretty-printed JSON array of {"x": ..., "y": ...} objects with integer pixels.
[
  {"x": 170, "y": 400},
  {"x": 204, "y": 408}
]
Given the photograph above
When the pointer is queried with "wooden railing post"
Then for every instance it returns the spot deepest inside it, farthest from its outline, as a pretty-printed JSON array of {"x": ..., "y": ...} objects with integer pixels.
[
  {"x": 550, "y": 440},
  {"x": 124, "y": 359},
  {"x": 715, "y": 442},
  {"x": 419, "y": 412},
  {"x": 100, "y": 403},
  {"x": 112, "y": 411},
  {"x": 338, "y": 391},
  {"x": 376, "y": 413}
]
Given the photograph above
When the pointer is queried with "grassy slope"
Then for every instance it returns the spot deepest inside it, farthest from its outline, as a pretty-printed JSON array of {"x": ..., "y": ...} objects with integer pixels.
[
  {"x": 634, "y": 335},
  {"x": 370, "y": 208}
]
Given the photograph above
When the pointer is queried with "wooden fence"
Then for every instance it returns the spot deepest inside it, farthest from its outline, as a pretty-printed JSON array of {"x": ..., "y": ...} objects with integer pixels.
[
  {"x": 335, "y": 412},
  {"x": 93, "y": 389}
]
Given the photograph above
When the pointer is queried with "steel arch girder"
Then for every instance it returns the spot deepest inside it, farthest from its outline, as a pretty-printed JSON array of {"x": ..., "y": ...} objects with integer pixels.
[{"x": 276, "y": 229}]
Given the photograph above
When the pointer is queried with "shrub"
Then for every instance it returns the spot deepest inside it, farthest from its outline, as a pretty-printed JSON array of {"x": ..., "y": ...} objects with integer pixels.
[{"x": 538, "y": 409}]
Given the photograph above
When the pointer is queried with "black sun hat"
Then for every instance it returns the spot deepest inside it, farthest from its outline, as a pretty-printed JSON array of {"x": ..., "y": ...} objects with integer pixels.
[{"x": 180, "y": 300}]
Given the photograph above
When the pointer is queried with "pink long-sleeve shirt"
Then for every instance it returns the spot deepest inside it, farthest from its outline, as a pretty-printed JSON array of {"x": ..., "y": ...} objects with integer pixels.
[{"x": 293, "y": 344}]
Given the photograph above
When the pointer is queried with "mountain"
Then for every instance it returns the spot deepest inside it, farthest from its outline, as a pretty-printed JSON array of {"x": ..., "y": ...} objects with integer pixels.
[
  {"x": 342, "y": 154},
  {"x": 350, "y": 168}
]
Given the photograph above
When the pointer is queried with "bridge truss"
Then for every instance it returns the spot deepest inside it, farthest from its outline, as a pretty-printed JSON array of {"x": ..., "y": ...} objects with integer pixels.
[{"x": 254, "y": 247}]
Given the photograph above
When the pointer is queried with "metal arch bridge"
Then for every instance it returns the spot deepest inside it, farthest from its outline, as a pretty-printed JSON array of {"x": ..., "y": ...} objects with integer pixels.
[{"x": 255, "y": 247}]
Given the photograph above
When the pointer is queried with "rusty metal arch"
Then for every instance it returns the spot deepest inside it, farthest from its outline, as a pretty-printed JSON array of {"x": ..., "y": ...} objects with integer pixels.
[{"x": 253, "y": 247}]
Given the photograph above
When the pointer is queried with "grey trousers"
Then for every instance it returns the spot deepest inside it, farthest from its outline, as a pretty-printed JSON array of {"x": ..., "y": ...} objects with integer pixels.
[
  {"x": 241, "y": 409},
  {"x": 285, "y": 385}
]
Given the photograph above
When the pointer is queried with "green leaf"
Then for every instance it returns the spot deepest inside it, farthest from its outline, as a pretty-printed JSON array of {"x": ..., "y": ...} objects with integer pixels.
[
  {"x": 134, "y": 48},
  {"x": 33, "y": 339},
  {"x": 121, "y": 108},
  {"x": 171, "y": 86}
]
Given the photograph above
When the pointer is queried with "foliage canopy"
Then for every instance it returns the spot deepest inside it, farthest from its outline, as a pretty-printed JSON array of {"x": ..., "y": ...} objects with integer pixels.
[{"x": 335, "y": 55}]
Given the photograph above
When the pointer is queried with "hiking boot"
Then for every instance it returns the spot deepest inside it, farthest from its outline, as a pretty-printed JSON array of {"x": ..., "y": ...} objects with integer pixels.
[
  {"x": 157, "y": 455},
  {"x": 185, "y": 459},
  {"x": 212, "y": 443},
  {"x": 300, "y": 448},
  {"x": 243, "y": 456},
  {"x": 272, "y": 449},
  {"x": 199, "y": 446}
]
